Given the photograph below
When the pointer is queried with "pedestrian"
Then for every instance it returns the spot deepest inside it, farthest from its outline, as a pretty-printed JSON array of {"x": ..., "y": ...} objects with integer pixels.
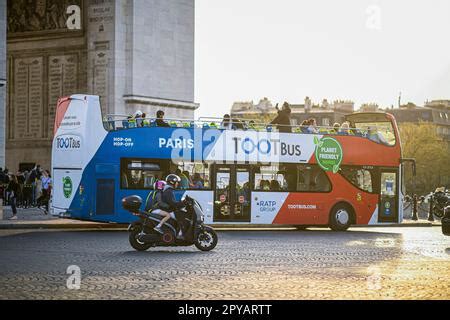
[
  {"x": 283, "y": 119},
  {"x": 21, "y": 181},
  {"x": 4, "y": 180},
  {"x": 27, "y": 190},
  {"x": 44, "y": 199},
  {"x": 34, "y": 177},
  {"x": 13, "y": 190}
]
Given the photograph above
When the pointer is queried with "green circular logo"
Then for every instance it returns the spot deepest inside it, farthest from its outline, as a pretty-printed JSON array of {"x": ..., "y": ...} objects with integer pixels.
[
  {"x": 67, "y": 186},
  {"x": 328, "y": 153},
  {"x": 387, "y": 205}
]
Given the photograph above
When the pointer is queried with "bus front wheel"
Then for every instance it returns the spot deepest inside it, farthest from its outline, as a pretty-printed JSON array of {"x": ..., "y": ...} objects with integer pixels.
[{"x": 340, "y": 217}]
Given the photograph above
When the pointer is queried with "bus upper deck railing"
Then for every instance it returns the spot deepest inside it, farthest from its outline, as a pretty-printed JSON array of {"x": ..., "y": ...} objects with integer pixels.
[{"x": 116, "y": 122}]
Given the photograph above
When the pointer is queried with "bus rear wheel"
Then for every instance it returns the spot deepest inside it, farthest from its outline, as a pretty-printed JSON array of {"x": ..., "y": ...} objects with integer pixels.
[{"x": 340, "y": 218}]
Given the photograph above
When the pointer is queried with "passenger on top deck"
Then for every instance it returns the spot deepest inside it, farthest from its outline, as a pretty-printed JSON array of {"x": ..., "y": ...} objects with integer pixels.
[
  {"x": 336, "y": 127},
  {"x": 231, "y": 124},
  {"x": 345, "y": 129},
  {"x": 374, "y": 135},
  {"x": 160, "y": 119},
  {"x": 312, "y": 128},
  {"x": 283, "y": 119},
  {"x": 226, "y": 122},
  {"x": 304, "y": 126}
]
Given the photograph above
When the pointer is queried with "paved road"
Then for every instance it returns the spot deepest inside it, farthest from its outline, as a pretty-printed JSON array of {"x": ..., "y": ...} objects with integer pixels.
[{"x": 372, "y": 263}]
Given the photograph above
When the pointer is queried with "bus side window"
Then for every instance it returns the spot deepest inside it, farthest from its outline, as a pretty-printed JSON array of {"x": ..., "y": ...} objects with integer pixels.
[
  {"x": 301, "y": 182},
  {"x": 320, "y": 181},
  {"x": 361, "y": 178},
  {"x": 311, "y": 178},
  {"x": 194, "y": 175}
]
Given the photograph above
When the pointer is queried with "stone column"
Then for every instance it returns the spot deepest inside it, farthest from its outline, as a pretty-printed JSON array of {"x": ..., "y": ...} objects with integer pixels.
[{"x": 100, "y": 47}]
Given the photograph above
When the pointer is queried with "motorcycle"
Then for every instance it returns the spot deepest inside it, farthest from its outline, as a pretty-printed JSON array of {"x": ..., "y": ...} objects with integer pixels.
[
  {"x": 441, "y": 200},
  {"x": 446, "y": 221},
  {"x": 195, "y": 232}
]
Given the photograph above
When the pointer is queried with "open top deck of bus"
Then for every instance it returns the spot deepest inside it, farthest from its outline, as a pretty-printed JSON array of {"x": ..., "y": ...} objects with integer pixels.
[{"x": 360, "y": 124}]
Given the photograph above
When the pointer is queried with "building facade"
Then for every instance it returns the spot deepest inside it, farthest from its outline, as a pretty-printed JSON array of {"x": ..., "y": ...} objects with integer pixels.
[
  {"x": 435, "y": 111},
  {"x": 133, "y": 54}
]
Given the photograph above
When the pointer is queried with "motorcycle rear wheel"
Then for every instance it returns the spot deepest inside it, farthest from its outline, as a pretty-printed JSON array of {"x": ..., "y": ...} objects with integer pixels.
[{"x": 135, "y": 243}]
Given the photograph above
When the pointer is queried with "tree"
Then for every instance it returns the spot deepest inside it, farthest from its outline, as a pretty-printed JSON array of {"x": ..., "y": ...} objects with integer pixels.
[{"x": 432, "y": 153}]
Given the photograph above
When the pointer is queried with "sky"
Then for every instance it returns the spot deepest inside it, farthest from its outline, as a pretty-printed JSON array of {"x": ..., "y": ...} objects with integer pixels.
[{"x": 367, "y": 51}]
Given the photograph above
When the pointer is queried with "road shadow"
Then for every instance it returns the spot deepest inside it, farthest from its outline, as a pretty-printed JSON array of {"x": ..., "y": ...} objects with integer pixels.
[{"x": 156, "y": 251}]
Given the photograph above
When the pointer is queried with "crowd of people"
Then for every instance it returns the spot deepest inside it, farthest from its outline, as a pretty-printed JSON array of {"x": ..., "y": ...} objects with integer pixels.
[
  {"x": 139, "y": 119},
  {"x": 25, "y": 189}
]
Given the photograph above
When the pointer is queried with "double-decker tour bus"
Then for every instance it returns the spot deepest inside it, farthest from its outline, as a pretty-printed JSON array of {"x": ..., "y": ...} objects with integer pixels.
[{"x": 254, "y": 175}]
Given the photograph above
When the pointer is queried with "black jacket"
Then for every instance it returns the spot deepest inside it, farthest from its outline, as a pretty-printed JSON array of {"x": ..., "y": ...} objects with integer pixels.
[
  {"x": 168, "y": 197},
  {"x": 283, "y": 121},
  {"x": 161, "y": 123},
  {"x": 14, "y": 187}
]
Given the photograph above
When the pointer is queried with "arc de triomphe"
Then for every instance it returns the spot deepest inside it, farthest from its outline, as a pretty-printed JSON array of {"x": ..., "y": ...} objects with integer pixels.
[{"x": 133, "y": 54}]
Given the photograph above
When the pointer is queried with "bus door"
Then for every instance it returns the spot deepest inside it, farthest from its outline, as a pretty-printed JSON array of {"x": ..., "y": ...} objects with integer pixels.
[
  {"x": 231, "y": 193},
  {"x": 389, "y": 193},
  {"x": 105, "y": 187}
]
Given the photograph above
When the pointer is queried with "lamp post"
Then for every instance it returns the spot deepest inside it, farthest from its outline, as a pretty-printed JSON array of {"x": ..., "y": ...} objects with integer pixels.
[
  {"x": 414, "y": 215},
  {"x": 430, "y": 212}
]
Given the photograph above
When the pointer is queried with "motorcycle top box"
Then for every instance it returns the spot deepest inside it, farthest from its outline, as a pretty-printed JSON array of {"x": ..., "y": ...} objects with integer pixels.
[{"x": 132, "y": 203}]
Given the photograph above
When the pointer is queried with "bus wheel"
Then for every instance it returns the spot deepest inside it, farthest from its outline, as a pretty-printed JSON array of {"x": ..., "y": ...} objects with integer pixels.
[{"x": 340, "y": 218}]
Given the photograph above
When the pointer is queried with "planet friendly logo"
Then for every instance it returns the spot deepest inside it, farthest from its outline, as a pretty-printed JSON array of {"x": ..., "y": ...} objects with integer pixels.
[
  {"x": 67, "y": 187},
  {"x": 328, "y": 153}
]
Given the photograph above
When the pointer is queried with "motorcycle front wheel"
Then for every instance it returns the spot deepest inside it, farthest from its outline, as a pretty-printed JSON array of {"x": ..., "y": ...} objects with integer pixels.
[
  {"x": 206, "y": 240},
  {"x": 136, "y": 243}
]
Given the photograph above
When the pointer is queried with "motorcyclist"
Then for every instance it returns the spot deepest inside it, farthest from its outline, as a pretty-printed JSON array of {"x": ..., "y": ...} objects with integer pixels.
[
  {"x": 158, "y": 204},
  {"x": 172, "y": 182}
]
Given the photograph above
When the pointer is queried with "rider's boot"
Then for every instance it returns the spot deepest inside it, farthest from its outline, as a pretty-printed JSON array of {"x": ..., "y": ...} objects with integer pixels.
[{"x": 158, "y": 229}]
